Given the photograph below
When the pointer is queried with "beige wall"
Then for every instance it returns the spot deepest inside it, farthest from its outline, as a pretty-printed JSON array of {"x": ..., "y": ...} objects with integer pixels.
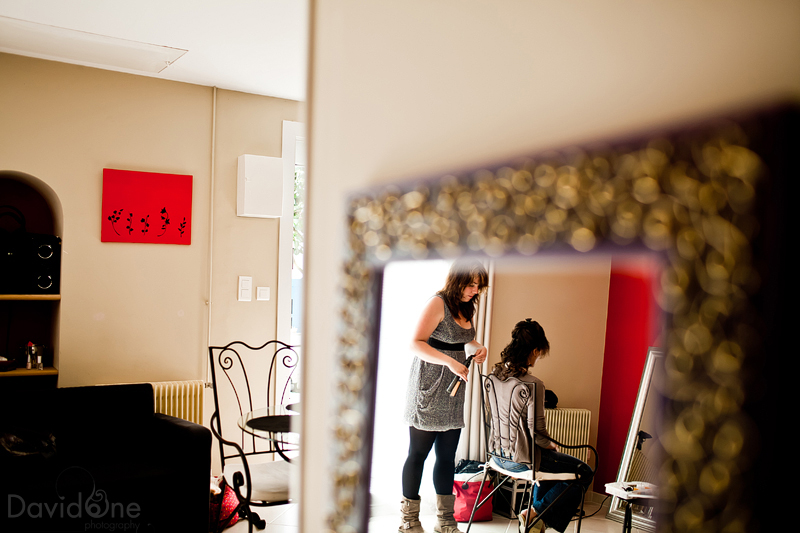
[
  {"x": 137, "y": 312},
  {"x": 244, "y": 246},
  {"x": 401, "y": 89},
  {"x": 570, "y": 300}
]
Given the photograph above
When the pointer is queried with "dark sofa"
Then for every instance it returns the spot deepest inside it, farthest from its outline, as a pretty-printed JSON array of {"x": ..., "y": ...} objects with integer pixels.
[{"x": 100, "y": 459}]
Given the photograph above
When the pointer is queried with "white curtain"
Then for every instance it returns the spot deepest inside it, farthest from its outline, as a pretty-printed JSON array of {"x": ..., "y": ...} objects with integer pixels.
[{"x": 472, "y": 444}]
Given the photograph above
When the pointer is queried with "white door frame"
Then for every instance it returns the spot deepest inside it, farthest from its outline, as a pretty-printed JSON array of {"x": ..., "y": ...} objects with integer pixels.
[{"x": 292, "y": 133}]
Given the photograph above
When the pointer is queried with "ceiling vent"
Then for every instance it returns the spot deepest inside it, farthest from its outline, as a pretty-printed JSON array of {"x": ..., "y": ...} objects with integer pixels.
[{"x": 31, "y": 39}]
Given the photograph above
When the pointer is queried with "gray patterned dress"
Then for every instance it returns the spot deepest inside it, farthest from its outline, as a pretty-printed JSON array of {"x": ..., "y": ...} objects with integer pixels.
[{"x": 428, "y": 405}]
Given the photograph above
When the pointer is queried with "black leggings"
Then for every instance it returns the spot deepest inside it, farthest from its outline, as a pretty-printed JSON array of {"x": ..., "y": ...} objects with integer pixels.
[{"x": 421, "y": 442}]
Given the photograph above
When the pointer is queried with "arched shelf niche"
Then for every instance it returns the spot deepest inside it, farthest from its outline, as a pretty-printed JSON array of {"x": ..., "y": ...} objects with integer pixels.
[
  {"x": 38, "y": 196},
  {"x": 30, "y": 318}
]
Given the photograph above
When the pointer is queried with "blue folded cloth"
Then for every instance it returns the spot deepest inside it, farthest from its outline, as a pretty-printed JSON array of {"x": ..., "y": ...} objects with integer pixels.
[{"x": 510, "y": 466}]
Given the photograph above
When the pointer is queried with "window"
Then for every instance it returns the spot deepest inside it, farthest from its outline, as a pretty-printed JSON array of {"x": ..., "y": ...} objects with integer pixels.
[{"x": 291, "y": 246}]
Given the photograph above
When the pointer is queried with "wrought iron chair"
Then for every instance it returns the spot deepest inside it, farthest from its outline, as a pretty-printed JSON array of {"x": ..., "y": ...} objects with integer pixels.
[
  {"x": 500, "y": 425},
  {"x": 256, "y": 481}
]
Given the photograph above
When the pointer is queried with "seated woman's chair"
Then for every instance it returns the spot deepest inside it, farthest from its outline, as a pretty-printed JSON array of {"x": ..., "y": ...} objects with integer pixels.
[
  {"x": 256, "y": 464},
  {"x": 501, "y": 432}
]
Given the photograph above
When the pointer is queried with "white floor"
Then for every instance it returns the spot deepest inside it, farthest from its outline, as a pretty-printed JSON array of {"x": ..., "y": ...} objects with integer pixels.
[
  {"x": 386, "y": 517},
  {"x": 280, "y": 519}
]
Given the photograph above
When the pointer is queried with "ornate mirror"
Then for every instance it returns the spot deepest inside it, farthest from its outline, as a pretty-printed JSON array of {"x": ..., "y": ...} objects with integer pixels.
[{"x": 696, "y": 195}]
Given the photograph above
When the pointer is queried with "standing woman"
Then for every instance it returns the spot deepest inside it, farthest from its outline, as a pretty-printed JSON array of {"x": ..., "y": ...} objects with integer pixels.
[{"x": 435, "y": 418}]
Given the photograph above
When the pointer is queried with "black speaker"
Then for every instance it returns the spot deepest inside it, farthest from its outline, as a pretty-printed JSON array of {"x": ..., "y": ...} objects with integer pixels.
[{"x": 30, "y": 263}]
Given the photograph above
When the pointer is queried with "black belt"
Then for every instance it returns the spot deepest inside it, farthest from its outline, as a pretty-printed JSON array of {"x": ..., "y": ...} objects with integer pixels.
[{"x": 452, "y": 347}]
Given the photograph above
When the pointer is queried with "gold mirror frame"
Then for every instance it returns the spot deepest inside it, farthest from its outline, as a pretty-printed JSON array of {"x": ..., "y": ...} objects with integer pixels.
[{"x": 689, "y": 195}]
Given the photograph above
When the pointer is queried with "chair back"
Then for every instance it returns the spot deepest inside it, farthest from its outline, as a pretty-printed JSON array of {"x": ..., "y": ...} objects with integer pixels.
[
  {"x": 245, "y": 378},
  {"x": 505, "y": 403}
]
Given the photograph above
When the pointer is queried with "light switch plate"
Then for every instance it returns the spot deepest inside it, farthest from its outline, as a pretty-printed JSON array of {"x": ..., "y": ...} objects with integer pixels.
[
  {"x": 245, "y": 293},
  {"x": 262, "y": 293}
]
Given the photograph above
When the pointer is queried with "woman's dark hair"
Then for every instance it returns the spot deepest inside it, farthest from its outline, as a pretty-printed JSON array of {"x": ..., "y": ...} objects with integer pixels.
[
  {"x": 528, "y": 335},
  {"x": 461, "y": 274}
]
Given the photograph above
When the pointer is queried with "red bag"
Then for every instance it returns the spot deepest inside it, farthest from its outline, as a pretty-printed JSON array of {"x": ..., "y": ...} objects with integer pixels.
[
  {"x": 465, "y": 498},
  {"x": 222, "y": 506}
]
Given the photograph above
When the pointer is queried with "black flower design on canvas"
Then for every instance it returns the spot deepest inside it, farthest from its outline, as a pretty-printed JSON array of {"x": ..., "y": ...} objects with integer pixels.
[
  {"x": 164, "y": 221},
  {"x": 114, "y": 218}
]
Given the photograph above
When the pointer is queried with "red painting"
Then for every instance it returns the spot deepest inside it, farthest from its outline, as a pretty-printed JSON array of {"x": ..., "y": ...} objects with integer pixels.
[{"x": 146, "y": 207}]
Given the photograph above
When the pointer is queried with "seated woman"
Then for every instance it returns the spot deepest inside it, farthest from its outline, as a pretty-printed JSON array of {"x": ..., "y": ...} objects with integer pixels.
[{"x": 529, "y": 343}]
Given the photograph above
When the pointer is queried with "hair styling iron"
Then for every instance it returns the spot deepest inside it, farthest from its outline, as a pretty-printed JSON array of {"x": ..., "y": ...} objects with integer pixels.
[{"x": 452, "y": 389}]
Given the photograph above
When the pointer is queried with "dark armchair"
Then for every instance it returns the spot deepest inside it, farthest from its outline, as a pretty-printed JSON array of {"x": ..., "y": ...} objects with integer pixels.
[{"x": 87, "y": 458}]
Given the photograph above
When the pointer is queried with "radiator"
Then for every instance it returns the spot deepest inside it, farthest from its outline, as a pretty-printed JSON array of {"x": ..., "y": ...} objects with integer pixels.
[
  {"x": 642, "y": 469},
  {"x": 569, "y": 426},
  {"x": 182, "y": 399}
]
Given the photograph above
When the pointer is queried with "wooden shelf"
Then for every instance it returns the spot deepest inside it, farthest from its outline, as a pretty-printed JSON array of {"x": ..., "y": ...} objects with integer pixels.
[
  {"x": 19, "y": 372},
  {"x": 30, "y": 297}
]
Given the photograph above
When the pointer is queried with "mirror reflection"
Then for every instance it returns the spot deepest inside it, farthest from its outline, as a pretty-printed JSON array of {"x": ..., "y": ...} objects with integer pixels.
[{"x": 600, "y": 315}]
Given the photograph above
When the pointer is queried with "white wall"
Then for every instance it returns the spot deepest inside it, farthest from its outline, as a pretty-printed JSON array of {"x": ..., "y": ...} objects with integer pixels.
[{"x": 405, "y": 88}]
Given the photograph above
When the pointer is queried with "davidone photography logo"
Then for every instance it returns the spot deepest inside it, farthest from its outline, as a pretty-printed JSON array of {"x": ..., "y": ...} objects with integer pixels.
[{"x": 79, "y": 505}]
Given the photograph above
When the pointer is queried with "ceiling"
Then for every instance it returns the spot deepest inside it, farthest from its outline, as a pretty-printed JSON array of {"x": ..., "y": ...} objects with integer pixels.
[{"x": 253, "y": 46}]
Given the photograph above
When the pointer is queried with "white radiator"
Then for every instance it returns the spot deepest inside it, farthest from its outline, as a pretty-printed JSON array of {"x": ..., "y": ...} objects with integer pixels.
[
  {"x": 569, "y": 426},
  {"x": 182, "y": 399},
  {"x": 642, "y": 469}
]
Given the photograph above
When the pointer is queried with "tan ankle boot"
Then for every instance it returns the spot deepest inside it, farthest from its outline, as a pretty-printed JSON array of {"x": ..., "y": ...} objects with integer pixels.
[
  {"x": 410, "y": 520},
  {"x": 445, "y": 522},
  {"x": 539, "y": 527}
]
